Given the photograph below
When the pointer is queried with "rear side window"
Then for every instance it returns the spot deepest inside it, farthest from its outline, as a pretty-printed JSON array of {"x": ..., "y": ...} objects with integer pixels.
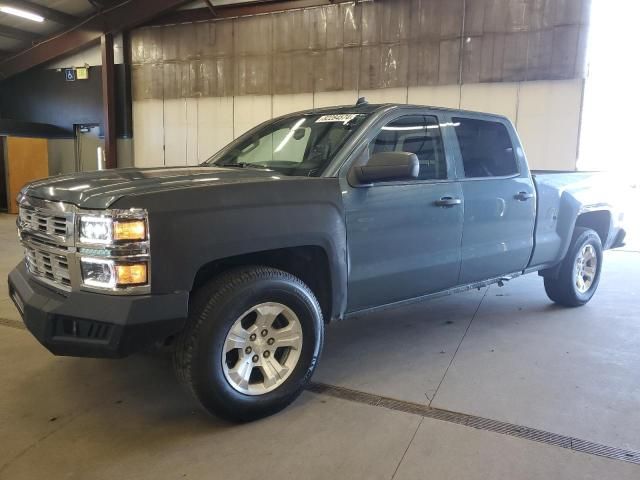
[
  {"x": 485, "y": 147},
  {"x": 417, "y": 134}
]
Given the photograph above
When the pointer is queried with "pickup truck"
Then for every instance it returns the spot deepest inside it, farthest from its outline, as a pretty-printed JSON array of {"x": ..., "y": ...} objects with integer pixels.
[{"x": 238, "y": 264}]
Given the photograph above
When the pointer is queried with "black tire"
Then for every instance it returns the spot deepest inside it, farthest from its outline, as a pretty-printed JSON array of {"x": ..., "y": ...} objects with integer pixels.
[
  {"x": 562, "y": 289},
  {"x": 214, "y": 309}
]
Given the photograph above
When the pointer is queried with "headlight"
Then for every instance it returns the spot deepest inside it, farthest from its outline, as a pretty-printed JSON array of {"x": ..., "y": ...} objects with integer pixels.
[
  {"x": 96, "y": 229},
  {"x": 97, "y": 272},
  {"x": 113, "y": 227},
  {"x": 106, "y": 273},
  {"x": 113, "y": 249}
]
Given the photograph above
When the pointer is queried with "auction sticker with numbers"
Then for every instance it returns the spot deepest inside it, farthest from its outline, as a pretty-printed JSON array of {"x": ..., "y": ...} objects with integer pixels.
[{"x": 344, "y": 118}]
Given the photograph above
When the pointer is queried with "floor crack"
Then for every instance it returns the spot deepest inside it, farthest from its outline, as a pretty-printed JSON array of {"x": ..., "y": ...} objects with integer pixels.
[
  {"x": 458, "y": 347},
  {"x": 407, "y": 449},
  {"x": 34, "y": 444}
]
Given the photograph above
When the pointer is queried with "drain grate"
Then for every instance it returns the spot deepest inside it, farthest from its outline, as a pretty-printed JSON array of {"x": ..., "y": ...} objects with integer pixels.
[
  {"x": 473, "y": 421},
  {"x": 480, "y": 423}
]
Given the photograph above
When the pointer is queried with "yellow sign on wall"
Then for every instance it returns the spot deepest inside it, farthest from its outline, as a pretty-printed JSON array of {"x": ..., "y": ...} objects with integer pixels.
[{"x": 82, "y": 73}]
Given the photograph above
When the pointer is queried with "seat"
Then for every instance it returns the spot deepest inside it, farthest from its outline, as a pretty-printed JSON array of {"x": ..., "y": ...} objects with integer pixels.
[{"x": 425, "y": 149}]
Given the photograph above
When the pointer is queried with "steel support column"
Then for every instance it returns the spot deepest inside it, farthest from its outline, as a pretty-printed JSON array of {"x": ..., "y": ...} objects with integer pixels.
[{"x": 109, "y": 102}]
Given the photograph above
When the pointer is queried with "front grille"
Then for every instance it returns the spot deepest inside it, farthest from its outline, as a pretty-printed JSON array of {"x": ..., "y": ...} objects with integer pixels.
[
  {"x": 41, "y": 222},
  {"x": 49, "y": 266},
  {"x": 47, "y": 233}
]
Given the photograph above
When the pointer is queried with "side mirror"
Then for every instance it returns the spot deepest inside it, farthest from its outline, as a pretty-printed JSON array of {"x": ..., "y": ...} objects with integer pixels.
[{"x": 388, "y": 166}]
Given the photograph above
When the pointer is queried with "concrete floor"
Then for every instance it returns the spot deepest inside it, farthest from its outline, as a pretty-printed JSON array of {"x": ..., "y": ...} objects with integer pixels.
[{"x": 502, "y": 353}]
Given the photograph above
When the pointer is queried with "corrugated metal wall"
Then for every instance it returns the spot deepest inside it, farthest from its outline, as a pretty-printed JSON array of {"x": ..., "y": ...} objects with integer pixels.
[
  {"x": 196, "y": 86},
  {"x": 381, "y": 44}
]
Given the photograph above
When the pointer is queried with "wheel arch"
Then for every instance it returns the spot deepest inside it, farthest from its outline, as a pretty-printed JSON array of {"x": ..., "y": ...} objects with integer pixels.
[
  {"x": 310, "y": 263},
  {"x": 597, "y": 220}
]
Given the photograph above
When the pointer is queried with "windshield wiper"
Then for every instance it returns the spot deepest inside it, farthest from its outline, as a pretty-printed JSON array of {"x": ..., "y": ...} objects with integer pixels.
[{"x": 245, "y": 165}]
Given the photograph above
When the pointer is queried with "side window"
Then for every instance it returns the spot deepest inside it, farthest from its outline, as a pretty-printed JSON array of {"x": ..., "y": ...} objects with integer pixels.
[
  {"x": 485, "y": 147},
  {"x": 417, "y": 134}
]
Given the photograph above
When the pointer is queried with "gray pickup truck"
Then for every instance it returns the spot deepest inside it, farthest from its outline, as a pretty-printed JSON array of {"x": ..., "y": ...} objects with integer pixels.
[{"x": 239, "y": 263}]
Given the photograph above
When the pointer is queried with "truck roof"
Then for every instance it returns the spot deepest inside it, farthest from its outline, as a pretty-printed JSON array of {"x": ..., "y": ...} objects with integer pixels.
[{"x": 367, "y": 108}]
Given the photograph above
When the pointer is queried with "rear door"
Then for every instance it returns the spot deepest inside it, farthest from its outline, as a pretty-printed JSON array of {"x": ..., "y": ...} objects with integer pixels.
[
  {"x": 500, "y": 203},
  {"x": 402, "y": 242}
]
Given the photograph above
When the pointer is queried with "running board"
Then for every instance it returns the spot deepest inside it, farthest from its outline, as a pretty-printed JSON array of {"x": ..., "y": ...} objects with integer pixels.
[{"x": 443, "y": 293}]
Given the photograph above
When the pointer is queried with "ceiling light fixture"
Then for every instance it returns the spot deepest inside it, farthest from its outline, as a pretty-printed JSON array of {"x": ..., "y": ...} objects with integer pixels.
[{"x": 22, "y": 13}]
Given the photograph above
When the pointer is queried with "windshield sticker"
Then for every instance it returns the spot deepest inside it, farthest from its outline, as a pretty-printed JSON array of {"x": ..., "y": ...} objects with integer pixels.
[{"x": 344, "y": 118}]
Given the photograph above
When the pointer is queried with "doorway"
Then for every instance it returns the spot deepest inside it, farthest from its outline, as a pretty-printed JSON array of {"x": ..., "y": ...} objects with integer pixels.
[
  {"x": 611, "y": 102},
  {"x": 89, "y": 148}
]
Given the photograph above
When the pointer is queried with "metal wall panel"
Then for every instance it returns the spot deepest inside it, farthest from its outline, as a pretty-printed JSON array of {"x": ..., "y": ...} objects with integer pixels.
[
  {"x": 436, "y": 95},
  {"x": 500, "y": 98},
  {"x": 385, "y": 95},
  {"x": 197, "y": 86},
  {"x": 369, "y": 45},
  {"x": 249, "y": 111},
  {"x": 327, "y": 99},
  {"x": 214, "y": 125},
  {"x": 283, "y": 104},
  {"x": 175, "y": 132},
  {"x": 191, "y": 110},
  {"x": 148, "y": 125},
  {"x": 516, "y": 40},
  {"x": 549, "y": 122}
]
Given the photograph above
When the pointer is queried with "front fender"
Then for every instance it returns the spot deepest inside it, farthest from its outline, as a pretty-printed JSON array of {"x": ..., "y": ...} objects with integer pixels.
[{"x": 192, "y": 227}]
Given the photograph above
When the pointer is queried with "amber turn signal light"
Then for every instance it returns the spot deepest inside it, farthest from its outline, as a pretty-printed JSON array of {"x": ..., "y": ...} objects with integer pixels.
[
  {"x": 129, "y": 230},
  {"x": 131, "y": 274}
]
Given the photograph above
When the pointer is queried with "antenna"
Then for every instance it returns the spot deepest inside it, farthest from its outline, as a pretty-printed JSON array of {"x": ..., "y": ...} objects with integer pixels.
[{"x": 361, "y": 101}]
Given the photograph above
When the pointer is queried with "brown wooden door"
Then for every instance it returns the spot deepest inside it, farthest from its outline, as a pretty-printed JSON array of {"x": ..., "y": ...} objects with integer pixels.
[{"x": 26, "y": 160}]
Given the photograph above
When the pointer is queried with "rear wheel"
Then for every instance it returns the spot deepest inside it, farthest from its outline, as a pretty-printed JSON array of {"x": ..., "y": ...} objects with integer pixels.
[
  {"x": 251, "y": 344},
  {"x": 579, "y": 274}
]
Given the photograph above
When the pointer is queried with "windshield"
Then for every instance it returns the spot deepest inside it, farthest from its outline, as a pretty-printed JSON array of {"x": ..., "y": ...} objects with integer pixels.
[{"x": 300, "y": 145}]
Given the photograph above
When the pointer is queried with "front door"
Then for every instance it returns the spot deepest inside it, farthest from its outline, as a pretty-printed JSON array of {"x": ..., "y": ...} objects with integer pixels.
[
  {"x": 403, "y": 241},
  {"x": 500, "y": 205}
]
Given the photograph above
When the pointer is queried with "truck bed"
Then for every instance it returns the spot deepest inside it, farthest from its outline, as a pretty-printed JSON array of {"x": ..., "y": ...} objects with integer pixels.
[{"x": 563, "y": 196}]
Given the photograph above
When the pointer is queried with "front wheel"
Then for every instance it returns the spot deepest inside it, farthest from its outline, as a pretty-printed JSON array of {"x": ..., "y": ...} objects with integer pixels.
[
  {"x": 579, "y": 274},
  {"x": 252, "y": 342}
]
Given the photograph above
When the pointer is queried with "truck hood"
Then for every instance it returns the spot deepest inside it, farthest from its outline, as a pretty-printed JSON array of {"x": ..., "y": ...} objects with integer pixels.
[{"x": 98, "y": 190}]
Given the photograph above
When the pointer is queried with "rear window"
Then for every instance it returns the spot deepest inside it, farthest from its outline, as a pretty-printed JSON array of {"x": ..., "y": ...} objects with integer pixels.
[{"x": 486, "y": 148}]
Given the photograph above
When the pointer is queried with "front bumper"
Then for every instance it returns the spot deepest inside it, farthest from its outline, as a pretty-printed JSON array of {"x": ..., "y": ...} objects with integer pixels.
[{"x": 83, "y": 324}]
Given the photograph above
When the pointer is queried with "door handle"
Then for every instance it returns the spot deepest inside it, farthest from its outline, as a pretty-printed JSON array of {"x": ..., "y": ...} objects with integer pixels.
[
  {"x": 523, "y": 196},
  {"x": 448, "y": 202}
]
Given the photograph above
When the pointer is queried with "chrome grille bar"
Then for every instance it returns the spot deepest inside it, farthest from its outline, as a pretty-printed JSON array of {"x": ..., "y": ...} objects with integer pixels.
[
  {"x": 46, "y": 230},
  {"x": 48, "y": 266},
  {"x": 38, "y": 221}
]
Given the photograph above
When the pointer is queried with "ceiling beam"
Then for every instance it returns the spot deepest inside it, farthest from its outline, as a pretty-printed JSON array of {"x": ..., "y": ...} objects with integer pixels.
[
  {"x": 230, "y": 11},
  {"x": 46, "y": 12},
  {"x": 124, "y": 16},
  {"x": 129, "y": 14},
  {"x": 210, "y": 7},
  {"x": 23, "y": 35}
]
